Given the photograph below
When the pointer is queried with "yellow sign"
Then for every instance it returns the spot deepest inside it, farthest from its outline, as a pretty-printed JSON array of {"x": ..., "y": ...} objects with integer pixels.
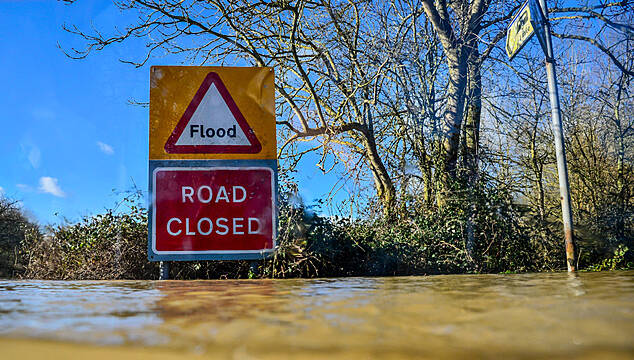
[
  {"x": 519, "y": 32},
  {"x": 207, "y": 112}
]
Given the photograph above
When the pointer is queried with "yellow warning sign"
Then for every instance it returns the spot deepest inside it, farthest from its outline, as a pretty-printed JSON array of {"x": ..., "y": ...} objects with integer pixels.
[
  {"x": 519, "y": 32},
  {"x": 207, "y": 112}
]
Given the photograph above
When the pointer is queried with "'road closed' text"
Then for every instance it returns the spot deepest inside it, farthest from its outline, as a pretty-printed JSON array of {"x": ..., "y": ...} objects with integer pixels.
[
  {"x": 213, "y": 210},
  {"x": 206, "y": 226}
]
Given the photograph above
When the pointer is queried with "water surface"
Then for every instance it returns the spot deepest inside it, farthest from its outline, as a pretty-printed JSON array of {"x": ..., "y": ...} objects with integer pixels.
[{"x": 557, "y": 315}]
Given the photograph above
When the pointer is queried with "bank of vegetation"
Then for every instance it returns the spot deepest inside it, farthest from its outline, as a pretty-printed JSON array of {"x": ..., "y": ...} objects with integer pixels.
[
  {"x": 413, "y": 241},
  {"x": 443, "y": 145}
]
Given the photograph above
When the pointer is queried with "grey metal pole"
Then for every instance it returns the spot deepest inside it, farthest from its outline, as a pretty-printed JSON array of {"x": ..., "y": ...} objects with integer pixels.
[
  {"x": 562, "y": 167},
  {"x": 164, "y": 270}
]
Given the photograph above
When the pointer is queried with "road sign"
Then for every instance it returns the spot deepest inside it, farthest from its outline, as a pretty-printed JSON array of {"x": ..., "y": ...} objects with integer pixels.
[
  {"x": 519, "y": 32},
  {"x": 211, "y": 211},
  {"x": 212, "y": 124},
  {"x": 213, "y": 163},
  {"x": 212, "y": 113},
  {"x": 538, "y": 21}
]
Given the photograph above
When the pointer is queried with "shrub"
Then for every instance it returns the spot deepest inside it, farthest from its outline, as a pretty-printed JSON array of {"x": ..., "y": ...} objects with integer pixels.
[
  {"x": 15, "y": 227},
  {"x": 106, "y": 246},
  {"x": 478, "y": 230}
]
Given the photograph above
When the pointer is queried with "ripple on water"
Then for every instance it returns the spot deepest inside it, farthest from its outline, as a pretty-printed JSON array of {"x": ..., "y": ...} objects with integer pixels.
[{"x": 487, "y": 316}]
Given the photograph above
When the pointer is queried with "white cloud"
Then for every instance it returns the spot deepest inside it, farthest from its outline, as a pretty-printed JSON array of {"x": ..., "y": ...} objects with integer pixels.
[
  {"x": 105, "y": 148},
  {"x": 1, "y": 190},
  {"x": 49, "y": 185},
  {"x": 24, "y": 187},
  {"x": 31, "y": 152},
  {"x": 34, "y": 157}
]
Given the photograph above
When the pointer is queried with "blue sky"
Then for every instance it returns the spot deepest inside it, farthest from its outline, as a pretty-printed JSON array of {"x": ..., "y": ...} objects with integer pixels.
[{"x": 70, "y": 143}]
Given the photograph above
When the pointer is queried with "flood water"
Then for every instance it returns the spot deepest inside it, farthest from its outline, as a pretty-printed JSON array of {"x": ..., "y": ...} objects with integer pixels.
[{"x": 527, "y": 316}]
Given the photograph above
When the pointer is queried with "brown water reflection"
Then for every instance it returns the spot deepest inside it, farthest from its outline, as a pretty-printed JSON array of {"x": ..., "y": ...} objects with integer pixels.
[{"x": 590, "y": 315}]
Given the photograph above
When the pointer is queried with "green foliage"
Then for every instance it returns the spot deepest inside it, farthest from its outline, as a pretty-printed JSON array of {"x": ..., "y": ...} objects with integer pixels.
[
  {"x": 416, "y": 239},
  {"x": 479, "y": 229},
  {"x": 112, "y": 245},
  {"x": 310, "y": 245},
  {"x": 15, "y": 227},
  {"x": 616, "y": 262}
]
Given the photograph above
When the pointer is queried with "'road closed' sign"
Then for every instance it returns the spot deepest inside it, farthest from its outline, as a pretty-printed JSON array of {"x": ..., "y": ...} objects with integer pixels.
[
  {"x": 212, "y": 163},
  {"x": 221, "y": 210}
]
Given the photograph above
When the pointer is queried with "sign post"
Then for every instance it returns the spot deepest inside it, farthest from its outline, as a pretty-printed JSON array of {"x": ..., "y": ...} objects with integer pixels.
[
  {"x": 213, "y": 164},
  {"x": 537, "y": 16}
]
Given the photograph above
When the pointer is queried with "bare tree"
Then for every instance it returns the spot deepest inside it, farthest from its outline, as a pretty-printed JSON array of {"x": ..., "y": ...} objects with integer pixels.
[{"x": 365, "y": 82}]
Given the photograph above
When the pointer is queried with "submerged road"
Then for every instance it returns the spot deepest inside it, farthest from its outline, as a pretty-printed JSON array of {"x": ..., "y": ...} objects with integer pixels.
[{"x": 526, "y": 316}]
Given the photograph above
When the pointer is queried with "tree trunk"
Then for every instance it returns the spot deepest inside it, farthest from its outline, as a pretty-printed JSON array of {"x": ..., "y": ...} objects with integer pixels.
[
  {"x": 471, "y": 140},
  {"x": 452, "y": 122},
  {"x": 622, "y": 197},
  {"x": 472, "y": 120},
  {"x": 383, "y": 183}
]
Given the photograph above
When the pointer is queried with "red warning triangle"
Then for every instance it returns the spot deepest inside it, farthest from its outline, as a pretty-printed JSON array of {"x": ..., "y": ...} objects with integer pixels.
[{"x": 212, "y": 124}]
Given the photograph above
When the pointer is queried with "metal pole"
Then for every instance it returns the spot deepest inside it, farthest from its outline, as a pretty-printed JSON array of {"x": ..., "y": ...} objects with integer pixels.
[
  {"x": 562, "y": 167},
  {"x": 164, "y": 270}
]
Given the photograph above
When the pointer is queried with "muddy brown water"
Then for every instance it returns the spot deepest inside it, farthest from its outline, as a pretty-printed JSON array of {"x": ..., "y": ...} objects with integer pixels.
[{"x": 527, "y": 316}]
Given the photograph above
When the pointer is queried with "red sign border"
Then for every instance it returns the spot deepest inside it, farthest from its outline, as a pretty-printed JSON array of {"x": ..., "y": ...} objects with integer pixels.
[
  {"x": 212, "y": 78},
  {"x": 218, "y": 252}
]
